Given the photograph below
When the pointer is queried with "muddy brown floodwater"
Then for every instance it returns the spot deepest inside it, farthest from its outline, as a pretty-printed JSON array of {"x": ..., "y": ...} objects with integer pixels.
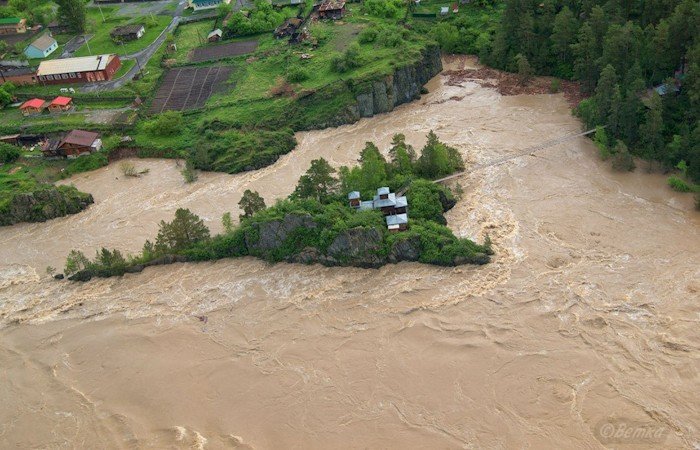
[{"x": 588, "y": 315}]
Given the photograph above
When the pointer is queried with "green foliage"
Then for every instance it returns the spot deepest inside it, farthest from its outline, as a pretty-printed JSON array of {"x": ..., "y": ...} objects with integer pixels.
[
  {"x": 388, "y": 9},
  {"x": 426, "y": 201},
  {"x": 261, "y": 18},
  {"x": 168, "y": 123},
  {"x": 347, "y": 61},
  {"x": 525, "y": 72},
  {"x": 86, "y": 163},
  {"x": 75, "y": 262},
  {"x": 438, "y": 159},
  {"x": 9, "y": 153},
  {"x": 318, "y": 183},
  {"x": 297, "y": 74},
  {"x": 226, "y": 222},
  {"x": 622, "y": 160},
  {"x": 600, "y": 138},
  {"x": 250, "y": 203},
  {"x": 73, "y": 14},
  {"x": 189, "y": 173},
  {"x": 368, "y": 35},
  {"x": 185, "y": 229},
  {"x": 679, "y": 185}
]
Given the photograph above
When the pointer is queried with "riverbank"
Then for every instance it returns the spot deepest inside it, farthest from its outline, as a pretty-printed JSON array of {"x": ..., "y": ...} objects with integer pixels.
[{"x": 577, "y": 323}]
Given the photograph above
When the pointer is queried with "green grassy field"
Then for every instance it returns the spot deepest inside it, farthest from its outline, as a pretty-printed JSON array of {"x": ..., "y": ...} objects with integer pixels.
[
  {"x": 189, "y": 37},
  {"x": 102, "y": 43}
]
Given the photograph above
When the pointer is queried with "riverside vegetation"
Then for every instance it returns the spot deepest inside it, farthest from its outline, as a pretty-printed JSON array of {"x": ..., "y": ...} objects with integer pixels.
[{"x": 316, "y": 224}]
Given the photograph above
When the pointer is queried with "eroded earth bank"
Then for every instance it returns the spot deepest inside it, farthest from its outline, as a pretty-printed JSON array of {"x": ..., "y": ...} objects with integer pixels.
[{"x": 588, "y": 313}]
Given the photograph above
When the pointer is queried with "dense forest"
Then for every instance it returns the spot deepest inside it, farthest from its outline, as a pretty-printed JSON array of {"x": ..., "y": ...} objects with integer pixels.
[{"x": 639, "y": 60}]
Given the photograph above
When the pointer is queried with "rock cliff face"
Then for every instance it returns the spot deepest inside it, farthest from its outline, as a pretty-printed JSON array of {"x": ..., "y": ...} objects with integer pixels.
[
  {"x": 403, "y": 86},
  {"x": 44, "y": 204},
  {"x": 359, "y": 247}
]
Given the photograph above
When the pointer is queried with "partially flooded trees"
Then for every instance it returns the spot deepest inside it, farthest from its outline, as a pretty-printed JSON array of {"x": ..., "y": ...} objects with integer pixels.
[{"x": 186, "y": 229}]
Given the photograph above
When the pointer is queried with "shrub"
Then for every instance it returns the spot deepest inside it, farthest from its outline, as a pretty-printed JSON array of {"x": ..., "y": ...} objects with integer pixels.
[
  {"x": 389, "y": 9},
  {"x": 86, "y": 163},
  {"x": 347, "y": 61},
  {"x": 168, "y": 123},
  {"x": 679, "y": 185},
  {"x": 555, "y": 86},
  {"x": 297, "y": 74},
  {"x": 9, "y": 153},
  {"x": 622, "y": 159},
  {"x": 368, "y": 35}
]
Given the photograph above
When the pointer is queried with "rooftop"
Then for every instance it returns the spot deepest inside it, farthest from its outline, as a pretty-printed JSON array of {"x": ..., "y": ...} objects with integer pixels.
[
  {"x": 33, "y": 103},
  {"x": 10, "y": 71},
  {"x": 61, "y": 101},
  {"x": 332, "y": 5},
  {"x": 126, "y": 30},
  {"x": 216, "y": 32},
  {"x": 82, "y": 64},
  {"x": 80, "y": 137},
  {"x": 44, "y": 42},
  {"x": 10, "y": 20},
  {"x": 397, "y": 219}
]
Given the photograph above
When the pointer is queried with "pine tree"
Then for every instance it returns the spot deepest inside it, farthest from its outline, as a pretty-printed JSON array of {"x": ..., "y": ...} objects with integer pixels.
[
  {"x": 525, "y": 72},
  {"x": 563, "y": 35},
  {"x": 72, "y": 13},
  {"x": 585, "y": 62},
  {"x": 604, "y": 93},
  {"x": 651, "y": 131},
  {"x": 615, "y": 112},
  {"x": 318, "y": 182}
]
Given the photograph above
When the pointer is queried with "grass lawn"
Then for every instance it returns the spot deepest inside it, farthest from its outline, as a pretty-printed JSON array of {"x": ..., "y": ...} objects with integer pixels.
[
  {"x": 127, "y": 64},
  {"x": 102, "y": 43},
  {"x": 190, "y": 36}
]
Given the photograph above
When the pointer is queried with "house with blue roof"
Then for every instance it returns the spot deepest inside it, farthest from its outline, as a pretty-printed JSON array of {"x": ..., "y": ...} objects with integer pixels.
[
  {"x": 394, "y": 208},
  {"x": 42, "y": 47}
]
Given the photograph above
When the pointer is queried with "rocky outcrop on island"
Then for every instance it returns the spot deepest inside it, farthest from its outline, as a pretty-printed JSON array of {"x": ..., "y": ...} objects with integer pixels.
[{"x": 42, "y": 204}]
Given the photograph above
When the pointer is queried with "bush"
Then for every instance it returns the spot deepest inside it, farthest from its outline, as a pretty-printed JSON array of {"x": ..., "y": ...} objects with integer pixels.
[
  {"x": 368, "y": 35},
  {"x": 622, "y": 159},
  {"x": 9, "y": 153},
  {"x": 679, "y": 185},
  {"x": 389, "y": 9},
  {"x": 349, "y": 60},
  {"x": 168, "y": 123},
  {"x": 555, "y": 86},
  {"x": 297, "y": 74},
  {"x": 262, "y": 18},
  {"x": 86, "y": 163}
]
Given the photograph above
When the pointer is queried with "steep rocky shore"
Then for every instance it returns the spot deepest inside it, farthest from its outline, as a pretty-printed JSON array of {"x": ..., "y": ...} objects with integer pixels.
[{"x": 43, "y": 204}]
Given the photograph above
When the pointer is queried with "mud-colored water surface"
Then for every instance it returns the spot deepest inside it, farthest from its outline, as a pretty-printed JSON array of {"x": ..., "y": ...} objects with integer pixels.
[{"x": 589, "y": 314}]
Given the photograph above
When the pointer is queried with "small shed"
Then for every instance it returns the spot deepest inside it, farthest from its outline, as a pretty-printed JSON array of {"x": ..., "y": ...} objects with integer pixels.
[
  {"x": 42, "y": 47},
  {"x": 288, "y": 27},
  {"x": 61, "y": 104},
  {"x": 13, "y": 25},
  {"x": 214, "y": 36},
  {"x": 398, "y": 222},
  {"x": 332, "y": 9},
  {"x": 128, "y": 33},
  {"x": 444, "y": 10},
  {"x": 33, "y": 106}
]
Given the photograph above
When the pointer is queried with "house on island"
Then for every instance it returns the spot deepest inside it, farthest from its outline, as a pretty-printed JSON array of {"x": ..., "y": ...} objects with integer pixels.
[
  {"x": 198, "y": 5},
  {"x": 42, "y": 47},
  {"x": 75, "y": 143},
  {"x": 61, "y": 104},
  {"x": 215, "y": 36},
  {"x": 13, "y": 25},
  {"x": 394, "y": 208},
  {"x": 32, "y": 107},
  {"x": 85, "y": 69},
  {"x": 18, "y": 76},
  {"x": 332, "y": 9},
  {"x": 127, "y": 33}
]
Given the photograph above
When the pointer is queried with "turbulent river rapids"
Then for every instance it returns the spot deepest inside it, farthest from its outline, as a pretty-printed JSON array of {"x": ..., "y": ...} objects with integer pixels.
[{"x": 589, "y": 313}]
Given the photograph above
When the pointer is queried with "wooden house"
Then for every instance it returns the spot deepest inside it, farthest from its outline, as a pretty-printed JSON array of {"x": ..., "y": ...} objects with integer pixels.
[
  {"x": 215, "y": 36},
  {"x": 332, "y": 9},
  {"x": 75, "y": 143},
  {"x": 85, "y": 69},
  {"x": 13, "y": 25},
  {"x": 33, "y": 106},
  {"x": 127, "y": 33},
  {"x": 61, "y": 104}
]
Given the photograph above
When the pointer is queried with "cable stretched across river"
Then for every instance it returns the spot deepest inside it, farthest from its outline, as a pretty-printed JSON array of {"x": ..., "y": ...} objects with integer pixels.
[{"x": 521, "y": 153}]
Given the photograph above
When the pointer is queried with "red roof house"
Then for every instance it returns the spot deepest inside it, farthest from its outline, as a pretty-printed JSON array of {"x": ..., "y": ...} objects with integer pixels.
[
  {"x": 33, "y": 106},
  {"x": 60, "y": 104}
]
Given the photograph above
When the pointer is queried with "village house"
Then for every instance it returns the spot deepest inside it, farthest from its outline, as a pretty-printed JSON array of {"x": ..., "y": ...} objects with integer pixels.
[
  {"x": 127, "y": 33},
  {"x": 75, "y": 143},
  {"x": 61, "y": 104},
  {"x": 394, "y": 208},
  {"x": 18, "y": 76},
  {"x": 198, "y": 5},
  {"x": 33, "y": 106},
  {"x": 215, "y": 36},
  {"x": 332, "y": 9},
  {"x": 86, "y": 69},
  {"x": 13, "y": 25},
  {"x": 42, "y": 47}
]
